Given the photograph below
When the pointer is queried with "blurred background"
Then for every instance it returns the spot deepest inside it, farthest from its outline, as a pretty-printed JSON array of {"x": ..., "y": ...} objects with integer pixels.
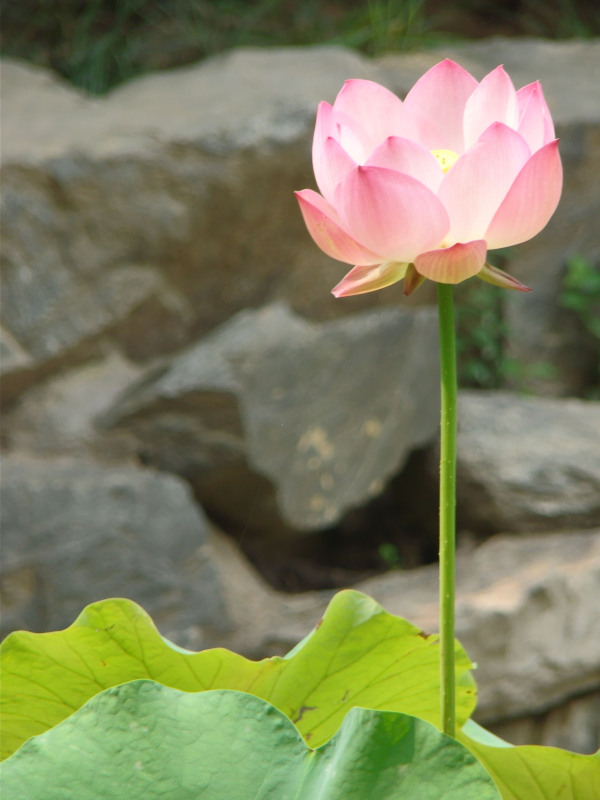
[{"x": 97, "y": 44}]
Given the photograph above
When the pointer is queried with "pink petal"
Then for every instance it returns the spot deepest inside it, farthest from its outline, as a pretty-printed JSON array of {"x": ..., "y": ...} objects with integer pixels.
[
  {"x": 530, "y": 201},
  {"x": 331, "y": 164},
  {"x": 378, "y": 111},
  {"x": 474, "y": 187},
  {"x": 407, "y": 156},
  {"x": 323, "y": 225},
  {"x": 535, "y": 122},
  {"x": 343, "y": 129},
  {"x": 324, "y": 124},
  {"x": 390, "y": 213},
  {"x": 494, "y": 100},
  {"x": 361, "y": 280},
  {"x": 437, "y": 102},
  {"x": 452, "y": 264}
]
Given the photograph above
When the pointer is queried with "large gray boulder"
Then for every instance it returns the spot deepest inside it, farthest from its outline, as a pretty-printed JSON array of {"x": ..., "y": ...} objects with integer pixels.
[
  {"x": 57, "y": 415},
  {"x": 147, "y": 217},
  {"x": 527, "y": 463},
  {"x": 573, "y": 725},
  {"x": 74, "y": 533},
  {"x": 281, "y": 424}
]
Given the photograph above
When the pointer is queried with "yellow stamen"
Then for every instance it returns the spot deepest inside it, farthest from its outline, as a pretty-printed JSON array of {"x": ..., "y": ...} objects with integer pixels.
[{"x": 445, "y": 158}]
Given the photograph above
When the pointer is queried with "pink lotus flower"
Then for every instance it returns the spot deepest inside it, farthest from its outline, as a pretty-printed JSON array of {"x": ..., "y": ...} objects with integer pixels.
[{"x": 425, "y": 187}]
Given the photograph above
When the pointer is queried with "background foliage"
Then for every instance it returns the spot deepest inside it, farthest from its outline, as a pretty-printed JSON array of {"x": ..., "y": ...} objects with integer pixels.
[{"x": 97, "y": 44}]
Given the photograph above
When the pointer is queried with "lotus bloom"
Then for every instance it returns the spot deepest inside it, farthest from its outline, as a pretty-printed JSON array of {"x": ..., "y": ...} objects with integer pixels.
[{"x": 424, "y": 188}]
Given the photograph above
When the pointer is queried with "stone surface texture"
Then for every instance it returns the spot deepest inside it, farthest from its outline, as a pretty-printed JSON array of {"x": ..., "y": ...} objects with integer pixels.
[
  {"x": 271, "y": 395},
  {"x": 527, "y": 463},
  {"x": 147, "y": 217},
  {"x": 168, "y": 335},
  {"x": 574, "y": 725},
  {"x": 74, "y": 533}
]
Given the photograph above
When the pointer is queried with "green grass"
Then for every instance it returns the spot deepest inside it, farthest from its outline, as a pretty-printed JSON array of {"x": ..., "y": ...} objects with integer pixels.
[
  {"x": 97, "y": 44},
  {"x": 480, "y": 336},
  {"x": 482, "y": 331},
  {"x": 581, "y": 295}
]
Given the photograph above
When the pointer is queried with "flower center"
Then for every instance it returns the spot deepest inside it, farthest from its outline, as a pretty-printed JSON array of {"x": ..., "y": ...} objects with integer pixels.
[{"x": 445, "y": 158}]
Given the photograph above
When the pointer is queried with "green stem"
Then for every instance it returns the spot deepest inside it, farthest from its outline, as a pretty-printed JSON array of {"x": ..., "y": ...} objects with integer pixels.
[{"x": 447, "y": 504}]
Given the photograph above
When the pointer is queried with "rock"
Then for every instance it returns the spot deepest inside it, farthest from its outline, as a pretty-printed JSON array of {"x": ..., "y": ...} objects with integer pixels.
[
  {"x": 264, "y": 622},
  {"x": 74, "y": 533},
  {"x": 13, "y": 356},
  {"x": 574, "y": 725},
  {"x": 148, "y": 228},
  {"x": 527, "y": 463},
  {"x": 323, "y": 414},
  {"x": 57, "y": 415}
]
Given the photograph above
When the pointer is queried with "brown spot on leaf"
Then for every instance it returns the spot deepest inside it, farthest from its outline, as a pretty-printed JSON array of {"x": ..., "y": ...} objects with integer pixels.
[{"x": 301, "y": 711}]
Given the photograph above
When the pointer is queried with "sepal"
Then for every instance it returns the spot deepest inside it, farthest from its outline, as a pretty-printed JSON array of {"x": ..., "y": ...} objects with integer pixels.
[
  {"x": 498, "y": 277},
  {"x": 412, "y": 280}
]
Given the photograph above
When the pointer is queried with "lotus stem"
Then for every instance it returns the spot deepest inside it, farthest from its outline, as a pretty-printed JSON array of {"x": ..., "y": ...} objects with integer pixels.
[{"x": 447, "y": 524}]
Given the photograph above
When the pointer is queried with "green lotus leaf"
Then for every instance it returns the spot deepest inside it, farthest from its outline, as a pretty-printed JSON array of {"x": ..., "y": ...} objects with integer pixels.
[
  {"x": 144, "y": 740},
  {"x": 531, "y": 772},
  {"x": 358, "y": 655}
]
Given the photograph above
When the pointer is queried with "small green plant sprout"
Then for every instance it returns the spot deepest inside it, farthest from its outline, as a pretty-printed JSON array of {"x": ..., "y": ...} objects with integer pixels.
[
  {"x": 388, "y": 553},
  {"x": 581, "y": 293}
]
